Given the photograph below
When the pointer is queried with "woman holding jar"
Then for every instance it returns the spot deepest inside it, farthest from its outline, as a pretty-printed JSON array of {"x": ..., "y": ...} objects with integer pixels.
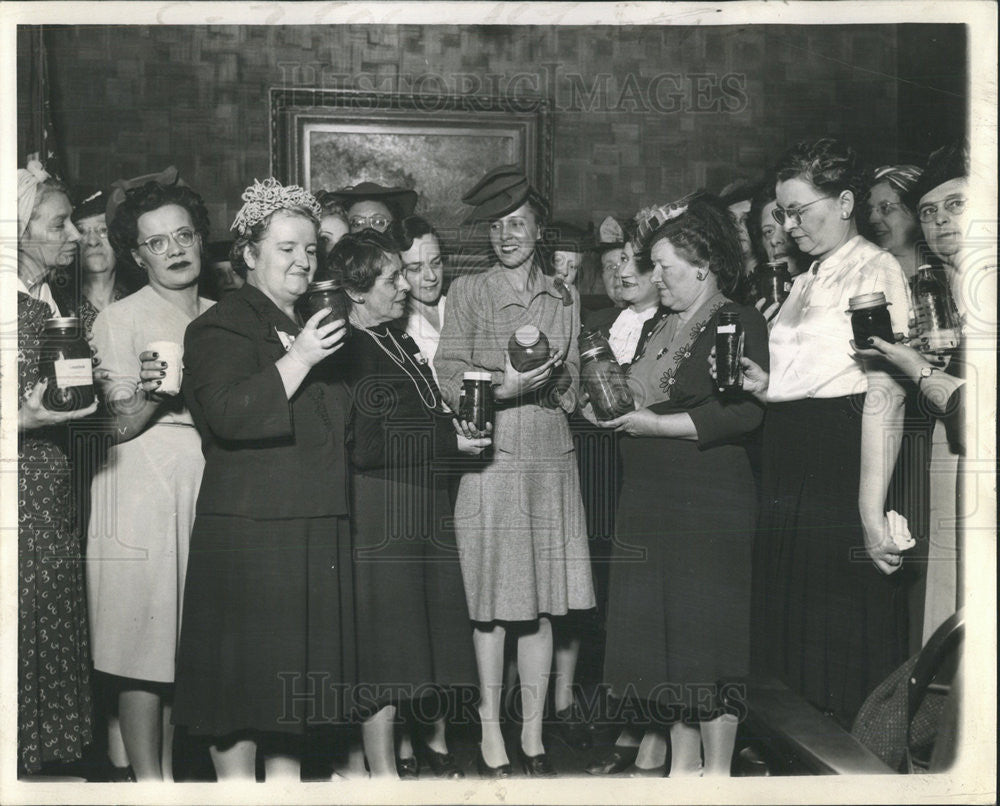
[
  {"x": 678, "y": 624},
  {"x": 54, "y": 710},
  {"x": 143, "y": 495},
  {"x": 830, "y": 613},
  {"x": 413, "y": 631},
  {"x": 267, "y": 639},
  {"x": 519, "y": 518}
]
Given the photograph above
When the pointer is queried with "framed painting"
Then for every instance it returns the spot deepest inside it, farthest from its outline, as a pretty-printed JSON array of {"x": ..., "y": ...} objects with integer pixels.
[{"x": 437, "y": 145}]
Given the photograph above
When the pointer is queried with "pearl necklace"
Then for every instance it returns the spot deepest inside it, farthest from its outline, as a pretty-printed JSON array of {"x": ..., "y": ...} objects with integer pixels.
[{"x": 400, "y": 359}]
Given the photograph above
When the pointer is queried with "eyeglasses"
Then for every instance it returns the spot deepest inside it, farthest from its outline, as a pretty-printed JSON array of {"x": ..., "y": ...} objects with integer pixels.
[
  {"x": 883, "y": 208},
  {"x": 793, "y": 213},
  {"x": 377, "y": 222},
  {"x": 158, "y": 244},
  {"x": 954, "y": 205},
  {"x": 101, "y": 231}
]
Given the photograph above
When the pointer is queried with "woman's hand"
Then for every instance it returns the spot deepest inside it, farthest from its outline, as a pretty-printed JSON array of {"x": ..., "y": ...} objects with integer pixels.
[
  {"x": 902, "y": 356},
  {"x": 31, "y": 414},
  {"x": 882, "y": 548},
  {"x": 755, "y": 379},
  {"x": 152, "y": 371},
  {"x": 640, "y": 423},
  {"x": 316, "y": 342},
  {"x": 516, "y": 383},
  {"x": 470, "y": 439},
  {"x": 587, "y": 410}
]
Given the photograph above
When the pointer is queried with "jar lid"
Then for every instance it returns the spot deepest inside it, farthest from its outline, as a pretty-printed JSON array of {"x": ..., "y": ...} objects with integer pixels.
[
  {"x": 864, "y": 301},
  {"x": 323, "y": 285},
  {"x": 777, "y": 264},
  {"x": 527, "y": 335},
  {"x": 477, "y": 376},
  {"x": 62, "y": 323}
]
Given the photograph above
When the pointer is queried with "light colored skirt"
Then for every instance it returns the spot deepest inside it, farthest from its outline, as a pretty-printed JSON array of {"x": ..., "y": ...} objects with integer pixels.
[
  {"x": 143, "y": 502},
  {"x": 522, "y": 538}
]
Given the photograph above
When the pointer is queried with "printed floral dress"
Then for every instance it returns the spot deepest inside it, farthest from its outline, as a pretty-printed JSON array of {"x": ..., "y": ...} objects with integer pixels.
[{"x": 53, "y": 681}]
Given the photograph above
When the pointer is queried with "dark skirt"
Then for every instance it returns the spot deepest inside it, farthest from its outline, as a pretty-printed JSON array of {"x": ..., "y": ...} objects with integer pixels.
[
  {"x": 414, "y": 633},
  {"x": 678, "y": 612},
  {"x": 267, "y": 637},
  {"x": 826, "y": 621}
]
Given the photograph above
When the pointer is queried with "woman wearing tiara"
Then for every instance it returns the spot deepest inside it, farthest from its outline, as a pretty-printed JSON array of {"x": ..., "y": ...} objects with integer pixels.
[{"x": 267, "y": 637}]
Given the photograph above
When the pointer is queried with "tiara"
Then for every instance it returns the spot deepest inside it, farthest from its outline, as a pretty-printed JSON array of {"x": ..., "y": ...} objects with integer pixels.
[
  {"x": 650, "y": 219},
  {"x": 263, "y": 198}
]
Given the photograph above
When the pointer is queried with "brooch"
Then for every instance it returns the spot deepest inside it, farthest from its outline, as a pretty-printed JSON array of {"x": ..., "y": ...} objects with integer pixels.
[{"x": 286, "y": 339}]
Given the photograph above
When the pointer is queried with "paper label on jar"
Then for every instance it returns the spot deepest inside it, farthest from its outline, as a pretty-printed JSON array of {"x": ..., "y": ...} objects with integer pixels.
[
  {"x": 726, "y": 329},
  {"x": 73, "y": 372}
]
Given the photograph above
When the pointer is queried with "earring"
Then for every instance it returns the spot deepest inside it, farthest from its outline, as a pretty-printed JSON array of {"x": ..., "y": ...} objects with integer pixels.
[
  {"x": 700, "y": 275},
  {"x": 845, "y": 216}
]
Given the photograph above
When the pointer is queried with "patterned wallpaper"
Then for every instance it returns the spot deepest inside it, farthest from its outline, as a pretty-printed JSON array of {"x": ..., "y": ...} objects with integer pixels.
[{"x": 641, "y": 114}]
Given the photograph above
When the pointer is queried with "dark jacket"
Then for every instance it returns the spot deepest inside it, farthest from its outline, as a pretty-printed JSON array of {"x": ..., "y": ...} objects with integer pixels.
[{"x": 265, "y": 456}]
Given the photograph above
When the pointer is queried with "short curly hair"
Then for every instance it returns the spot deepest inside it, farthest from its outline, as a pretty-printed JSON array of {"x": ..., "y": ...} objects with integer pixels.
[
  {"x": 253, "y": 236},
  {"x": 358, "y": 258},
  {"x": 706, "y": 236},
  {"x": 124, "y": 229},
  {"x": 330, "y": 204},
  {"x": 828, "y": 165}
]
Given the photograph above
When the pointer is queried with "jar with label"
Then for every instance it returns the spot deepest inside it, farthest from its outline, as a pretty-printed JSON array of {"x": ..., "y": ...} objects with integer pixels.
[
  {"x": 325, "y": 294},
  {"x": 729, "y": 352},
  {"x": 528, "y": 348},
  {"x": 870, "y": 317},
  {"x": 603, "y": 379},
  {"x": 67, "y": 363},
  {"x": 475, "y": 404}
]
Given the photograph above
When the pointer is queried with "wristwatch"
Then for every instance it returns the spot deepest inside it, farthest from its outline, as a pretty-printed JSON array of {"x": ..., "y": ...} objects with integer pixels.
[{"x": 925, "y": 373}]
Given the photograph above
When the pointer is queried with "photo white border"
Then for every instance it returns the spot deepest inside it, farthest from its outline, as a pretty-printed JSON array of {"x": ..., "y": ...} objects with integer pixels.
[{"x": 972, "y": 780}]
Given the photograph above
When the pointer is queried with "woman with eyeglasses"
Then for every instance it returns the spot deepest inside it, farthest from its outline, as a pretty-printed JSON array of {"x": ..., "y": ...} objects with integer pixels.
[
  {"x": 519, "y": 517},
  {"x": 370, "y": 205},
  {"x": 940, "y": 199},
  {"x": 143, "y": 496},
  {"x": 893, "y": 224},
  {"x": 829, "y": 609}
]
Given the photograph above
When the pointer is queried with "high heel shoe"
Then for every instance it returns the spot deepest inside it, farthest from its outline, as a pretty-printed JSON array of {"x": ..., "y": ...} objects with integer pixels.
[
  {"x": 408, "y": 767},
  {"x": 536, "y": 766},
  {"x": 644, "y": 772},
  {"x": 618, "y": 760},
  {"x": 486, "y": 771},
  {"x": 443, "y": 765}
]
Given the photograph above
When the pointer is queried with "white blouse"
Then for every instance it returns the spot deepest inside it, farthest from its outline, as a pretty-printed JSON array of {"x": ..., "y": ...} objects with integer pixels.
[
  {"x": 425, "y": 335},
  {"x": 811, "y": 355},
  {"x": 625, "y": 332}
]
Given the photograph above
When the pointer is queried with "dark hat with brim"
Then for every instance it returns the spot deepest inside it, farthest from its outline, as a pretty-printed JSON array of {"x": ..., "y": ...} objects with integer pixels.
[
  {"x": 403, "y": 199},
  {"x": 500, "y": 192},
  {"x": 90, "y": 204},
  {"x": 561, "y": 236}
]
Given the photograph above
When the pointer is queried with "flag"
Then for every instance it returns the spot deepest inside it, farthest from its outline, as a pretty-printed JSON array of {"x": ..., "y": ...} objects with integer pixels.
[{"x": 44, "y": 142}]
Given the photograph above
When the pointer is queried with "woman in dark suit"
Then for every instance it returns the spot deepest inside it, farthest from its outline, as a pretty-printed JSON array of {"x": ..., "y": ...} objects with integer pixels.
[
  {"x": 414, "y": 634},
  {"x": 678, "y": 618},
  {"x": 267, "y": 637}
]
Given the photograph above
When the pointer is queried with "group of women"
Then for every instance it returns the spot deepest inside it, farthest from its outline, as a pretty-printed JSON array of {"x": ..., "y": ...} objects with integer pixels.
[{"x": 307, "y": 535}]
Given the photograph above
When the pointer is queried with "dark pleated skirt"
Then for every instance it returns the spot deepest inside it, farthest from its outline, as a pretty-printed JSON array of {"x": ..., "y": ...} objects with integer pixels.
[
  {"x": 679, "y": 606},
  {"x": 825, "y": 620},
  {"x": 414, "y": 633},
  {"x": 267, "y": 637}
]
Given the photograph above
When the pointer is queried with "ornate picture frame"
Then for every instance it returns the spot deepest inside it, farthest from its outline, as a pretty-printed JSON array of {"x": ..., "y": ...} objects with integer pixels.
[{"x": 436, "y": 144}]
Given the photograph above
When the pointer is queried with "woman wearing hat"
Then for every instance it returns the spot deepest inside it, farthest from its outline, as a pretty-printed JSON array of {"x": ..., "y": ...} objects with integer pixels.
[
  {"x": 102, "y": 278},
  {"x": 519, "y": 518},
  {"x": 370, "y": 205}
]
